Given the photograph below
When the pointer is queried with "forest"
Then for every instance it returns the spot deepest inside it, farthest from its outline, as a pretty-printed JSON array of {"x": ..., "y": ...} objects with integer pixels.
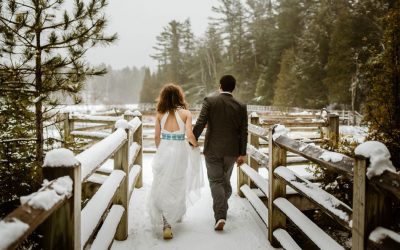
[{"x": 304, "y": 53}]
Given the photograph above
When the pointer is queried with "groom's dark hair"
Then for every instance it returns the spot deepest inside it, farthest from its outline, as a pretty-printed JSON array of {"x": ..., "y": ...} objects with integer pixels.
[{"x": 228, "y": 83}]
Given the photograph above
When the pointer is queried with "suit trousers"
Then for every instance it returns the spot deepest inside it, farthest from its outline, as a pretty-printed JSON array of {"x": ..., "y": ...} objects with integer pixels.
[{"x": 219, "y": 171}]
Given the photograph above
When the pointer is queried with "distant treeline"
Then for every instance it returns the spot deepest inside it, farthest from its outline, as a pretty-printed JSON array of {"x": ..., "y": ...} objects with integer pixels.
[
  {"x": 287, "y": 53},
  {"x": 116, "y": 87}
]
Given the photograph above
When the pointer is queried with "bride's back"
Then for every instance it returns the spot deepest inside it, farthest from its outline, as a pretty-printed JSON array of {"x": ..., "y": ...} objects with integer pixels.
[{"x": 171, "y": 123}]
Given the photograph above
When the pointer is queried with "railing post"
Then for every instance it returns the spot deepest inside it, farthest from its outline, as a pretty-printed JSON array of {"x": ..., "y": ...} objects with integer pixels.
[
  {"x": 128, "y": 115},
  {"x": 68, "y": 127},
  {"x": 121, "y": 163},
  {"x": 241, "y": 178},
  {"x": 254, "y": 141},
  {"x": 277, "y": 188},
  {"x": 138, "y": 138},
  {"x": 369, "y": 210},
  {"x": 62, "y": 230},
  {"x": 333, "y": 130}
]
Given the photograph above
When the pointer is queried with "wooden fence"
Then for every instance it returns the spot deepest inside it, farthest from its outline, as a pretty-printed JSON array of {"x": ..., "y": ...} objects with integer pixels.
[
  {"x": 371, "y": 197},
  {"x": 113, "y": 165}
]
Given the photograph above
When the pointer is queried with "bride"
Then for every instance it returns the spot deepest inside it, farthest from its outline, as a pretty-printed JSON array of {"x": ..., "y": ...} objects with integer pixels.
[{"x": 177, "y": 169}]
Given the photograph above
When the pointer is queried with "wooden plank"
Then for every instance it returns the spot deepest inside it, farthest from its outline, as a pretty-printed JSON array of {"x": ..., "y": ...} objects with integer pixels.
[
  {"x": 333, "y": 130},
  {"x": 138, "y": 138},
  {"x": 32, "y": 217},
  {"x": 388, "y": 182},
  {"x": 369, "y": 206},
  {"x": 95, "y": 128},
  {"x": 96, "y": 208},
  {"x": 255, "y": 154},
  {"x": 121, "y": 162},
  {"x": 260, "y": 182},
  {"x": 258, "y": 205},
  {"x": 345, "y": 166},
  {"x": 277, "y": 188},
  {"x": 332, "y": 206},
  {"x": 258, "y": 131},
  {"x": 63, "y": 228},
  {"x": 286, "y": 240},
  {"x": 105, "y": 236},
  {"x": 309, "y": 228},
  {"x": 133, "y": 177},
  {"x": 90, "y": 134}
]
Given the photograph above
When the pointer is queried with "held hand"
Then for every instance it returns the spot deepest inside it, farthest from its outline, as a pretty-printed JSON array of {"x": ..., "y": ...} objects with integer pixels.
[{"x": 240, "y": 160}]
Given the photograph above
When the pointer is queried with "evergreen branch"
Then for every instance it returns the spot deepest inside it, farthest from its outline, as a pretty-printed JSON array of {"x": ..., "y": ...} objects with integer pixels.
[{"x": 28, "y": 43}]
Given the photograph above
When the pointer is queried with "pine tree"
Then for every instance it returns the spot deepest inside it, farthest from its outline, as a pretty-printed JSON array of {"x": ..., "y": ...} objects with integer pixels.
[
  {"x": 383, "y": 75},
  {"x": 46, "y": 44},
  {"x": 285, "y": 87}
]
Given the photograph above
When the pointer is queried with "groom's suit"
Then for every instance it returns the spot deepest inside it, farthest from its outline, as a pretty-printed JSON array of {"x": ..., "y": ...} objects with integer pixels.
[{"x": 226, "y": 140}]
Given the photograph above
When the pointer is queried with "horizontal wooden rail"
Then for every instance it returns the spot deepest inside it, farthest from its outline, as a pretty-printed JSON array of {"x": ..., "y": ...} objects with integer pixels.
[
  {"x": 312, "y": 153},
  {"x": 332, "y": 206},
  {"x": 388, "y": 182},
  {"x": 32, "y": 213}
]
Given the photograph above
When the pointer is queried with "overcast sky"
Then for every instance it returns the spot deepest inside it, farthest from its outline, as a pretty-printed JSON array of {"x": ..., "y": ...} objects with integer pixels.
[{"x": 138, "y": 22}]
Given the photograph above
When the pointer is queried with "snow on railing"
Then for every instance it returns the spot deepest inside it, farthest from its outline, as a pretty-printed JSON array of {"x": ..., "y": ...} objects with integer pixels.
[
  {"x": 379, "y": 177},
  {"x": 63, "y": 194}
]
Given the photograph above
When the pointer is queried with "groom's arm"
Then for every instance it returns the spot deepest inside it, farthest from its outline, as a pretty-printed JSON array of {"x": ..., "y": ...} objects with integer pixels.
[{"x": 202, "y": 120}]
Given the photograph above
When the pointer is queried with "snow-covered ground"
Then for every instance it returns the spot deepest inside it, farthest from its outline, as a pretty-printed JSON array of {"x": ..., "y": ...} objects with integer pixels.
[{"x": 244, "y": 229}]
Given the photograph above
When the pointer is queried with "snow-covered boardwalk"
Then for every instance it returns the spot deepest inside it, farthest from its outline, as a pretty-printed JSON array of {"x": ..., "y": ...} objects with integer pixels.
[{"x": 244, "y": 229}]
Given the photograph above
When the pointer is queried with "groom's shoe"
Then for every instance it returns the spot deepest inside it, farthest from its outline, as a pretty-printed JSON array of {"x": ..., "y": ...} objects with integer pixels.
[{"x": 219, "y": 226}]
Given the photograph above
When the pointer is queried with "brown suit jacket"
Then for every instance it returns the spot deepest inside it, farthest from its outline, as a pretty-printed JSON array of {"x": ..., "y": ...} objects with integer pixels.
[{"x": 226, "y": 120}]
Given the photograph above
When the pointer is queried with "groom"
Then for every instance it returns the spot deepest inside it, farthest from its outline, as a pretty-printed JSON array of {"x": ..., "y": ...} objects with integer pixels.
[{"x": 225, "y": 143}]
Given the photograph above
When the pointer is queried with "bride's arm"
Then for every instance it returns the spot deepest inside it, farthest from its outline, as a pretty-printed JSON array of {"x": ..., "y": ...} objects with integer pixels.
[
  {"x": 157, "y": 131},
  {"x": 189, "y": 130}
]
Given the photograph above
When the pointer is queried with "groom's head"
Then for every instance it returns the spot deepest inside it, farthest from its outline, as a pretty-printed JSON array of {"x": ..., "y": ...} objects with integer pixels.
[{"x": 227, "y": 83}]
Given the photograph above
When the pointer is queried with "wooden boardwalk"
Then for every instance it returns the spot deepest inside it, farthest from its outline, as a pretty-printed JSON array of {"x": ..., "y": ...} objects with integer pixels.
[{"x": 244, "y": 228}]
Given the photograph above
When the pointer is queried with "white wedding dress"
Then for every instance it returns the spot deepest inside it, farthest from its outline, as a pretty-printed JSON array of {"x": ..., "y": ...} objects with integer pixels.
[{"x": 177, "y": 176}]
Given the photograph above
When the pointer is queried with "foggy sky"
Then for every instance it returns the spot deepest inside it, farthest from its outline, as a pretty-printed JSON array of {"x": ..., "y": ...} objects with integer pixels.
[{"x": 138, "y": 22}]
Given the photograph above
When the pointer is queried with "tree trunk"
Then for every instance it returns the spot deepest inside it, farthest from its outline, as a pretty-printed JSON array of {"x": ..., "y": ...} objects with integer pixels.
[{"x": 38, "y": 104}]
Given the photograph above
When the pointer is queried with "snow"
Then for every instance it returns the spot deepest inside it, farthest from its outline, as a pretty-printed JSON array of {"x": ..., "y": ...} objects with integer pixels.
[
  {"x": 305, "y": 145},
  {"x": 257, "y": 155},
  {"x": 285, "y": 239},
  {"x": 317, "y": 194},
  {"x": 96, "y": 118},
  {"x": 244, "y": 228},
  {"x": 11, "y": 231},
  {"x": 95, "y": 134},
  {"x": 135, "y": 123},
  {"x": 354, "y": 133},
  {"x": 261, "y": 183},
  {"x": 97, "y": 178},
  {"x": 255, "y": 201},
  {"x": 60, "y": 157},
  {"x": 95, "y": 208},
  {"x": 46, "y": 198},
  {"x": 133, "y": 150},
  {"x": 122, "y": 123},
  {"x": 316, "y": 234},
  {"x": 279, "y": 130},
  {"x": 379, "y": 157},
  {"x": 128, "y": 112},
  {"x": 137, "y": 113},
  {"x": 381, "y": 233},
  {"x": 254, "y": 114},
  {"x": 331, "y": 156},
  {"x": 105, "y": 236},
  {"x": 91, "y": 158},
  {"x": 133, "y": 174},
  {"x": 107, "y": 167}
]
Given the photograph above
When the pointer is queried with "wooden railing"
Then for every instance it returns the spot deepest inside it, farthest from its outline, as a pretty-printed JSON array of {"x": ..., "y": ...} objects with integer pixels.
[
  {"x": 113, "y": 164},
  {"x": 371, "y": 197}
]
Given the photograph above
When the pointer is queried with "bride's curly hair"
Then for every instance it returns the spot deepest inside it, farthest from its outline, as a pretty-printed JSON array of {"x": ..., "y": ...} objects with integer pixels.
[{"x": 171, "y": 98}]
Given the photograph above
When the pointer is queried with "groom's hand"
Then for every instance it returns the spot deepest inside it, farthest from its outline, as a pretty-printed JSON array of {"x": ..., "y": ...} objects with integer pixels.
[{"x": 240, "y": 160}]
